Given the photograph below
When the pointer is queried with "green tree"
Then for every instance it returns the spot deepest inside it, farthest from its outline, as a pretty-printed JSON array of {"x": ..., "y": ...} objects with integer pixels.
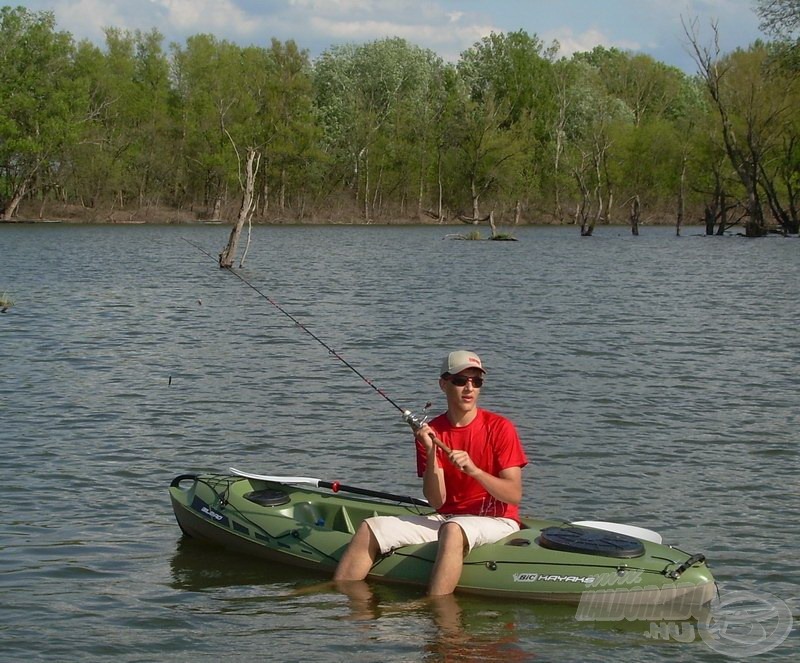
[
  {"x": 210, "y": 78},
  {"x": 125, "y": 154},
  {"x": 594, "y": 120},
  {"x": 42, "y": 106},
  {"x": 515, "y": 72},
  {"x": 293, "y": 157},
  {"x": 648, "y": 87},
  {"x": 369, "y": 100}
]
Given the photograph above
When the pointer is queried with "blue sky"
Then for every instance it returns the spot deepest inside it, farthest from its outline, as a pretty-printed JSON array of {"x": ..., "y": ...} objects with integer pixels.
[{"x": 445, "y": 26}]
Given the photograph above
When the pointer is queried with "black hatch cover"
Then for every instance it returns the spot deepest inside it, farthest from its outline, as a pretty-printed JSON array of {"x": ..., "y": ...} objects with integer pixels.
[
  {"x": 590, "y": 542},
  {"x": 268, "y": 497}
]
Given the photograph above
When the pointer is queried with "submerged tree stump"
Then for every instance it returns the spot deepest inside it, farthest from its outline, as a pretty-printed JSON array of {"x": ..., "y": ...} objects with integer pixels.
[{"x": 228, "y": 255}]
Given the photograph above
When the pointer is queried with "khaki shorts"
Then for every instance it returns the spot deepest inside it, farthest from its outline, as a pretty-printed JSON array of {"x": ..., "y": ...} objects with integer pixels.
[{"x": 393, "y": 532}]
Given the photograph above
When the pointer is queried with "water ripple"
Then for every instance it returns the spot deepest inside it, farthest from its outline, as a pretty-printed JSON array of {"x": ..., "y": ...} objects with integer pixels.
[{"x": 653, "y": 381}]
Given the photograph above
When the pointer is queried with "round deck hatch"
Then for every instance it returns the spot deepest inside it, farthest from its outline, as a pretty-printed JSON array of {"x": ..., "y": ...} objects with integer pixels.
[
  {"x": 267, "y": 497},
  {"x": 590, "y": 542}
]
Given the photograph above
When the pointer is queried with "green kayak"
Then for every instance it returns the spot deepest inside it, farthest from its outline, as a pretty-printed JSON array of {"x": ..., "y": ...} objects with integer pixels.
[{"x": 546, "y": 560}]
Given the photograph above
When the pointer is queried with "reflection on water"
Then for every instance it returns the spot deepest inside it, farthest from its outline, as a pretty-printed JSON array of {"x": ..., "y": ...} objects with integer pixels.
[
  {"x": 197, "y": 567},
  {"x": 455, "y": 632},
  {"x": 457, "y": 641}
]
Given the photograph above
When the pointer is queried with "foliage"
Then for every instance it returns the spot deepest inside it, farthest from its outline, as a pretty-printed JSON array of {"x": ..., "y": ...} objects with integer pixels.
[
  {"x": 781, "y": 18},
  {"x": 42, "y": 101},
  {"x": 387, "y": 130}
]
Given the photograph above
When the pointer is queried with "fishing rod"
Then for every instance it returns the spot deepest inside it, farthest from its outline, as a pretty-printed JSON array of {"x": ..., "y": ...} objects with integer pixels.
[{"x": 415, "y": 421}]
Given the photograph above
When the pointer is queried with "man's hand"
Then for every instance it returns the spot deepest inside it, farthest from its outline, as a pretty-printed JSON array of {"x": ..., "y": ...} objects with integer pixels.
[
  {"x": 463, "y": 462},
  {"x": 426, "y": 435},
  {"x": 430, "y": 440}
]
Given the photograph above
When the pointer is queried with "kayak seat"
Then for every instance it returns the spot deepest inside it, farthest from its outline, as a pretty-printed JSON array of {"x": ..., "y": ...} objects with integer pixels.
[{"x": 329, "y": 517}]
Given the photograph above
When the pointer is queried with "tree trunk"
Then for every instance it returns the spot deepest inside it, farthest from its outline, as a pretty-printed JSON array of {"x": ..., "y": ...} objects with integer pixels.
[
  {"x": 440, "y": 202},
  {"x": 635, "y": 214},
  {"x": 366, "y": 186},
  {"x": 681, "y": 199},
  {"x": 491, "y": 224},
  {"x": 217, "y": 211},
  {"x": 419, "y": 197},
  {"x": 583, "y": 208},
  {"x": 475, "y": 196},
  {"x": 10, "y": 210},
  {"x": 228, "y": 255},
  {"x": 755, "y": 226},
  {"x": 723, "y": 213}
]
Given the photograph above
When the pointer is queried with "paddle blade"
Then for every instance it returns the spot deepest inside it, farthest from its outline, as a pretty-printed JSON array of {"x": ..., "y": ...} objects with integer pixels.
[
  {"x": 265, "y": 477},
  {"x": 628, "y": 530}
]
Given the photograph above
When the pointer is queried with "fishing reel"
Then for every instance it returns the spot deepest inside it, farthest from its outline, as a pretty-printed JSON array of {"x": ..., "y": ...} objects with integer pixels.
[{"x": 416, "y": 421}]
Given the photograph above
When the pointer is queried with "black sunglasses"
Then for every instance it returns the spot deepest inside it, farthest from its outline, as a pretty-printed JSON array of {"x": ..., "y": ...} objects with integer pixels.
[{"x": 461, "y": 380}]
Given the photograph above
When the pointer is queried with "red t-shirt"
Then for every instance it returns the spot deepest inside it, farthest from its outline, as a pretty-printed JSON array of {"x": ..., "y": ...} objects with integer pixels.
[{"x": 493, "y": 445}]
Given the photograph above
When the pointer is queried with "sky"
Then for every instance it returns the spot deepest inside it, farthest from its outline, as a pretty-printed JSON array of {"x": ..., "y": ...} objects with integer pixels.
[{"x": 447, "y": 27}]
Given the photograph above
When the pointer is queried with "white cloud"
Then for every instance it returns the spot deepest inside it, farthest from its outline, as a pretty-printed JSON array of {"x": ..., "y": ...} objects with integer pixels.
[
  {"x": 428, "y": 25},
  {"x": 194, "y": 16},
  {"x": 447, "y": 27},
  {"x": 337, "y": 6},
  {"x": 422, "y": 34},
  {"x": 585, "y": 41},
  {"x": 86, "y": 18}
]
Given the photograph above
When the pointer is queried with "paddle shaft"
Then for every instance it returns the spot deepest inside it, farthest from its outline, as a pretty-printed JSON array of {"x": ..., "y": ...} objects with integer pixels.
[{"x": 337, "y": 487}]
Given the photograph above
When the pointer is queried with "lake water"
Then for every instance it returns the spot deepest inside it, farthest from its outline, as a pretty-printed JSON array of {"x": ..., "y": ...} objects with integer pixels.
[{"x": 654, "y": 381}]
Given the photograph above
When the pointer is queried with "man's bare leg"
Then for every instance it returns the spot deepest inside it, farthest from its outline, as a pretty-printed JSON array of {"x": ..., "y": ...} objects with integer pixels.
[
  {"x": 359, "y": 556},
  {"x": 449, "y": 560}
]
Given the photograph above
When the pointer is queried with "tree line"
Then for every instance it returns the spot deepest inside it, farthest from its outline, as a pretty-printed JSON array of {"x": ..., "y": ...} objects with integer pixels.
[{"x": 387, "y": 131}]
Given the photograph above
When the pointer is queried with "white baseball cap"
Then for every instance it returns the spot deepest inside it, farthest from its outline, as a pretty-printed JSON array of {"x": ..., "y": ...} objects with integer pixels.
[{"x": 461, "y": 360}]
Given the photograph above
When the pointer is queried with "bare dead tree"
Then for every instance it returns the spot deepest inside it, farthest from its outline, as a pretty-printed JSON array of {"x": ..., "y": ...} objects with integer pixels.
[
  {"x": 246, "y": 209},
  {"x": 583, "y": 209},
  {"x": 744, "y": 161},
  {"x": 681, "y": 212},
  {"x": 636, "y": 210}
]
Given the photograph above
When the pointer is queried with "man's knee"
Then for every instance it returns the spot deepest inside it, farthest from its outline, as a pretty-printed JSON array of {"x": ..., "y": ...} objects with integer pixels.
[
  {"x": 365, "y": 538},
  {"x": 452, "y": 536}
]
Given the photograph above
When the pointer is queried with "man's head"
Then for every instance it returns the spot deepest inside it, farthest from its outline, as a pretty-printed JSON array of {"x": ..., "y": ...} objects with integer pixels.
[
  {"x": 460, "y": 360},
  {"x": 461, "y": 380}
]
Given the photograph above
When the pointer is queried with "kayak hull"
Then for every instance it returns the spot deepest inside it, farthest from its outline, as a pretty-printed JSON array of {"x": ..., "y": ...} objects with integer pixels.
[{"x": 545, "y": 561}]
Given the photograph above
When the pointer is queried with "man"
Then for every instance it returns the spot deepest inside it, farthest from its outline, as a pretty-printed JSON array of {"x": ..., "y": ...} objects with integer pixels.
[{"x": 470, "y": 461}]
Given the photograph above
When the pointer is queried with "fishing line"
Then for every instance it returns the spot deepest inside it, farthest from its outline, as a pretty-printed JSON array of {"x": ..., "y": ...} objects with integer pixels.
[{"x": 408, "y": 417}]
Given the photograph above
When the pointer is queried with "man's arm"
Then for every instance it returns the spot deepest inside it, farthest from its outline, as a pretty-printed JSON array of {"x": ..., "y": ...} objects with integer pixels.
[
  {"x": 506, "y": 487},
  {"x": 433, "y": 486}
]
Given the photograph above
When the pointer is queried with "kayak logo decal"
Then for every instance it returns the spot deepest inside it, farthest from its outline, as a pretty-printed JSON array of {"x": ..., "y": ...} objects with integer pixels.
[
  {"x": 541, "y": 577},
  {"x": 212, "y": 514},
  {"x": 208, "y": 512}
]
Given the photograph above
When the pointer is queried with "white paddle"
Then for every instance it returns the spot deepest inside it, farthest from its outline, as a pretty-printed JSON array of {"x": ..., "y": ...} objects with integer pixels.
[
  {"x": 628, "y": 530},
  {"x": 265, "y": 477},
  {"x": 335, "y": 486}
]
